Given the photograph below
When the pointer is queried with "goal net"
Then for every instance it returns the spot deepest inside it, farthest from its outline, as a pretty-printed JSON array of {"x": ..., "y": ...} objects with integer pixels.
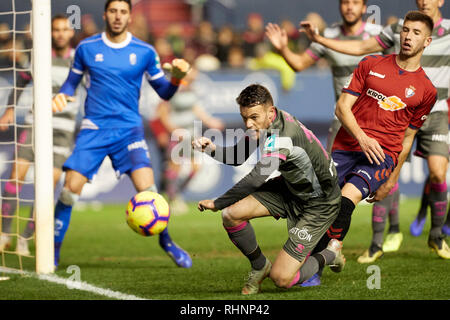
[{"x": 26, "y": 224}]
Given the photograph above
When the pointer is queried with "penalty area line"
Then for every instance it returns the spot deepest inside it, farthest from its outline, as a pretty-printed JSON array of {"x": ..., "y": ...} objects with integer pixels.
[{"x": 74, "y": 285}]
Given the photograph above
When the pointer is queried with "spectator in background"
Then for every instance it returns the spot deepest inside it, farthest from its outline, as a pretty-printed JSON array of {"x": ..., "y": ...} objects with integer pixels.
[
  {"x": 176, "y": 39},
  {"x": 204, "y": 41},
  {"x": 225, "y": 41},
  {"x": 140, "y": 29},
  {"x": 266, "y": 59},
  {"x": 88, "y": 28},
  {"x": 162, "y": 46},
  {"x": 235, "y": 58},
  {"x": 253, "y": 35}
]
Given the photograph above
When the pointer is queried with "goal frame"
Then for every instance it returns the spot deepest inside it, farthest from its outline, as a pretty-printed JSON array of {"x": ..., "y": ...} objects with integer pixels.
[{"x": 43, "y": 135}]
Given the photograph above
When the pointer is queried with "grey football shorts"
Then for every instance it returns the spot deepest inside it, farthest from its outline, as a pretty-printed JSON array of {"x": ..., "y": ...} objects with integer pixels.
[
  {"x": 432, "y": 137},
  {"x": 62, "y": 144},
  {"x": 307, "y": 221}
]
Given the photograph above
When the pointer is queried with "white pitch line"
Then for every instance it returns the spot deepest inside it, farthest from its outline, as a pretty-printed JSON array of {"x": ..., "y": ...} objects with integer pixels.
[{"x": 75, "y": 285}]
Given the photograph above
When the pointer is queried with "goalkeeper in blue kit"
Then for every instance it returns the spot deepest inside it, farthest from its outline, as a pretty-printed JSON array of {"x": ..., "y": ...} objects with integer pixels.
[{"x": 115, "y": 62}]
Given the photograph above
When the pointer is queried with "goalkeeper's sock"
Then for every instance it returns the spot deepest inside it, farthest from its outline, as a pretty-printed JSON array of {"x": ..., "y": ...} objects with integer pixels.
[
  {"x": 9, "y": 205},
  {"x": 164, "y": 238},
  {"x": 62, "y": 220},
  {"x": 63, "y": 211}
]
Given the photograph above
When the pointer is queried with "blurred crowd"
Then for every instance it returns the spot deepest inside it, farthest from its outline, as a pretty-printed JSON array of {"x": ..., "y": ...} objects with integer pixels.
[{"x": 204, "y": 46}]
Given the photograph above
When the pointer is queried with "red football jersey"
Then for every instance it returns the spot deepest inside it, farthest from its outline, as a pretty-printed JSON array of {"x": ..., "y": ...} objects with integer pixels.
[{"x": 389, "y": 100}]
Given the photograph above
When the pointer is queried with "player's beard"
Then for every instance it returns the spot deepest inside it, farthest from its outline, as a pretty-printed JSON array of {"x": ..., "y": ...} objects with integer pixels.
[
  {"x": 350, "y": 23},
  {"x": 116, "y": 33},
  {"x": 410, "y": 54}
]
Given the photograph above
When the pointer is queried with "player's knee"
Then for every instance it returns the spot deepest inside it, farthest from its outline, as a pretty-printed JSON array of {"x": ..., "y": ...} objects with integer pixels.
[
  {"x": 280, "y": 278},
  {"x": 68, "y": 197},
  {"x": 231, "y": 215},
  {"x": 438, "y": 175}
]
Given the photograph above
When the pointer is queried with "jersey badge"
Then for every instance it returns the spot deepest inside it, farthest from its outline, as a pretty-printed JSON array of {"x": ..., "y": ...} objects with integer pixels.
[
  {"x": 133, "y": 59},
  {"x": 409, "y": 92}
]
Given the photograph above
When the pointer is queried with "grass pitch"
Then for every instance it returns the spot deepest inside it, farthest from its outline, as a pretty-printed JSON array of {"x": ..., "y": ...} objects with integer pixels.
[{"x": 110, "y": 255}]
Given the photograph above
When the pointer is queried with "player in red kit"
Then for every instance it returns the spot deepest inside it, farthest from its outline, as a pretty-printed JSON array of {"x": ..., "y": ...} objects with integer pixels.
[{"x": 381, "y": 110}]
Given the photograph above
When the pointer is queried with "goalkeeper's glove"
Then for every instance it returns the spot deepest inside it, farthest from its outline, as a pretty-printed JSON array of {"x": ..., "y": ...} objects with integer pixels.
[
  {"x": 178, "y": 69},
  {"x": 59, "y": 102}
]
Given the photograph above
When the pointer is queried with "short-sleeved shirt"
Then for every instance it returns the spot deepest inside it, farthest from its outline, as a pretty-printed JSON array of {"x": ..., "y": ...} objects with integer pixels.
[
  {"x": 342, "y": 65},
  {"x": 114, "y": 73},
  {"x": 390, "y": 100},
  {"x": 435, "y": 58}
]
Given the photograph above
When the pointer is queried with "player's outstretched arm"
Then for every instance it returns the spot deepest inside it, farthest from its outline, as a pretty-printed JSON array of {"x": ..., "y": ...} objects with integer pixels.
[
  {"x": 369, "y": 146},
  {"x": 206, "y": 205},
  {"x": 352, "y": 47},
  {"x": 279, "y": 39},
  {"x": 7, "y": 119},
  {"x": 384, "y": 189}
]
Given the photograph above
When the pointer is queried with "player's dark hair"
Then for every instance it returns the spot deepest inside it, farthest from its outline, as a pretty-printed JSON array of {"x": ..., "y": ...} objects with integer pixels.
[
  {"x": 254, "y": 95},
  {"x": 364, "y": 2},
  {"x": 109, "y": 1},
  {"x": 419, "y": 16},
  {"x": 58, "y": 16}
]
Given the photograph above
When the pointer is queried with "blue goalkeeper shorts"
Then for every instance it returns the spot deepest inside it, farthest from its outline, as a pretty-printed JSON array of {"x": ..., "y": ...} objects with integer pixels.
[{"x": 126, "y": 147}]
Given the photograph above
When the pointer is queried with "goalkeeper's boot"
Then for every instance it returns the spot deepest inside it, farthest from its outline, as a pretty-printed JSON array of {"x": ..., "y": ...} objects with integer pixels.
[
  {"x": 416, "y": 227},
  {"x": 255, "y": 277},
  {"x": 439, "y": 246},
  {"x": 5, "y": 242},
  {"x": 339, "y": 261},
  {"x": 22, "y": 247},
  {"x": 446, "y": 229},
  {"x": 178, "y": 255},
  {"x": 370, "y": 255},
  {"x": 392, "y": 242},
  {"x": 311, "y": 282}
]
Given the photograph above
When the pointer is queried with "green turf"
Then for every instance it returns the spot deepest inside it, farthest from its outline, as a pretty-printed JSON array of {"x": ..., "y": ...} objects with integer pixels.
[{"x": 112, "y": 256}]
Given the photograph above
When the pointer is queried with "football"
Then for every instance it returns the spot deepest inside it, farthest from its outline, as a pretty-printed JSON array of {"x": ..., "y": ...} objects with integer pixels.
[{"x": 148, "y": 213}]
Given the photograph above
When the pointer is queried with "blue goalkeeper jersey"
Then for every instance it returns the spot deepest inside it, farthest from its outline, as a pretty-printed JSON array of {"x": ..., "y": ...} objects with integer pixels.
[{"x": 114, "y": 77}]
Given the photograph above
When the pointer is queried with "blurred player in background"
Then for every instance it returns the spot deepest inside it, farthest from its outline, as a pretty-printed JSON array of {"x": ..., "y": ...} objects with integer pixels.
[
  {"x": 342, "y": 65},
  {"x": 116, "y": 62},
  {"x": 381, "y": 110},
  {"x": 177, "y": 118},
  {"x": 306, "y": 194},
  {"x": 63, "y": 133},
  {"x": 432, "y": 136}
]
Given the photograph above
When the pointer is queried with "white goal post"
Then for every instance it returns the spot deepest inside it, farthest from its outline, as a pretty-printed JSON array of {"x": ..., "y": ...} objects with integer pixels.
[{"x": 43, "y": 136}]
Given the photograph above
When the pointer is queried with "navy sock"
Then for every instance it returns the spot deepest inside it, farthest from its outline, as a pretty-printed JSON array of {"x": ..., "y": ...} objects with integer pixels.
[{"x": 62, "y": 220}]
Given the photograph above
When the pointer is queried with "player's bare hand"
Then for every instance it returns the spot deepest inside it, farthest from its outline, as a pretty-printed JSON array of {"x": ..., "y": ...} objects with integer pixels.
[
  {"x": 178, "y": 68},
  {"x": 277, "y": 36},
  {"x": 203, "y": 143},
  {"x": 207, "y": 205},
  {"x": 311, "y": 30},
  {"x": 7, "y": 119},
  {"x": 59, "y": 102},
  {"x": 371, "y": 149},
  {"x": 381, "y": 193}
]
